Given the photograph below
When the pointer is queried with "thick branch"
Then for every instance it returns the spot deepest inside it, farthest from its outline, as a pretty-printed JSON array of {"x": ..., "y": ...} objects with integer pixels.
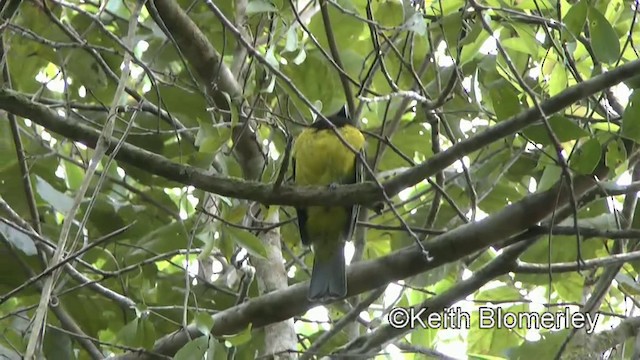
[
  {"x": 373, "y": 341},
  {"x": 593, "y": 345},
  {"x": 288, "y": 195}
]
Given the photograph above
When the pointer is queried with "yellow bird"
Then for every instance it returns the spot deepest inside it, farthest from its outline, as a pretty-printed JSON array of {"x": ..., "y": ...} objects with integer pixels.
[{"x": 321, "y": 158}]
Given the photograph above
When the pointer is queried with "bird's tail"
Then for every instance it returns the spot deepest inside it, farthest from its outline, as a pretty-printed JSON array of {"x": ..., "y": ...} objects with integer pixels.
[{"x": 328, "y": 278}]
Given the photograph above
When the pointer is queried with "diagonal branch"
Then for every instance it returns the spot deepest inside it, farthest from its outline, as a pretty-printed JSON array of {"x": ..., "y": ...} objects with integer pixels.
[
  {"x": 288, "y": 195},
  {"x": 505, "y": 262},
  {"x": 335, "y": 54}
]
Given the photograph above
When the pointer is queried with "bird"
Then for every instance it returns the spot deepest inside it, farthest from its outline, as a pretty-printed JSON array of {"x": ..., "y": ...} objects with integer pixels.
[{"x": 321, "y": 158}]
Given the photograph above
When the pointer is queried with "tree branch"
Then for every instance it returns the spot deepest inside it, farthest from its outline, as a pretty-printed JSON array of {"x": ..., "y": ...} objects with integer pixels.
[
  {"x": 365, "y": 193},
  {"x": 373, "y": 341}
]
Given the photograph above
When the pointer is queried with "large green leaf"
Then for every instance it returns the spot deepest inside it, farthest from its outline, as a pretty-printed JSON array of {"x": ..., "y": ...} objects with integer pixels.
[
  {"x": 60, "y": 201},
  {"x": 606, "y": 44},
  {"x": 546, "y": 348},
  {"x": 563, "y": 128},
  {"x": 194, "y": 349},
  {"x": 631, "y": 118},
  {"x": 494, "y": 329},
  {"x": 58, "y": 346},
  {"x": 586, "y": 157},
  {"x": 18, "y": 239},
  {"x": 505, "y": 101},
  {"x": 574, "y": 20},
  {"x": 247, "y": 240}
]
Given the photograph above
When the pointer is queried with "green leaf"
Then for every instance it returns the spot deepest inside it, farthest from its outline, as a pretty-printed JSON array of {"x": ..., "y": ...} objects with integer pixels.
[
  {"x": 200, "y": 160},
  {"x": 451, "y": 29},
  {"x": 193, "y": 350},
  {"x": 146, "y": 333},
  {"x": 484, "y": 357},
  {"x": 559, "y": 80},
  {"x": 128, "y": 334},
  {"x": 417, "y": 24},
  {"x": 318, "y": 80},
  {"x": 606, "y": 45},
  {"x": 633, "y": 82},
  {"x": 472, "y": 34},
  {"x": 346, "y": 28},
  {"x": 574, "y": 20},
  {"x": 210, "y": 139},
  {"x": 235, "y": 116},
  {"x": 563, "y": 249},
  {"x": 390, "y": 13},
  {"x": 260, "y": 6},
  {"x": 616, "y": 154},
  {"x": 247, "y": 240},
  {"x": 500, "y": 293},
  {"x": 140, "y": 332},
  {"x": 57, "y": 345},
  {"x": 631, "y": 118},
  {"x": 424, "y": 337},
  {"x": 546, "y": 348},
  {"x": 585, "y": 159},
  {"x": 491, "y": 339},
  {"x": 550, "y": 176},
  {"x": 177, "y": 99},
  {"x": 628, "y": 283},
  {"x": 524, "y": 40},
  {"x": 61, "y": 202},
  {"x": 18, "y": 239},
  {"x": 563, "y": 128},
  {"x": 226, "y": 243},
  {"x": 607, "y": 127},
  {"x": 240, "y": 338},
  {"x": 209, "y": 244},
  {"x": 74, "y": 175},
  {"x": 505, "y": 101},
  {"x": 204, "y": 322},
  {"x": 292, "y": 40},
  {"x": 271, "y": 57},
  {"x": 300, "y": 58},
  {"x": 471, "y": 51},
  {"x": 518, "y": 45},
  {"x": 161, "y": 239},
  {"x": 569, "y": 286}
]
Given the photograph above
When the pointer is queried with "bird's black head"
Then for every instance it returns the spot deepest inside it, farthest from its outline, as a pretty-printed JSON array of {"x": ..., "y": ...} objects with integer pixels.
[{"x": 339, "y": 119}]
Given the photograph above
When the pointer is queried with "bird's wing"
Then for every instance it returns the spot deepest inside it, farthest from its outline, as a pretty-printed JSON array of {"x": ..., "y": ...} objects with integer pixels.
[
  {"x": 301, "y": 213},
  {"x": 353, "y": 211}
]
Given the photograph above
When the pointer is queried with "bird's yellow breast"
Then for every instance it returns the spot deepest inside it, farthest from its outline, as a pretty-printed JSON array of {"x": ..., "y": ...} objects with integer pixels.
[{"x": 322, "y": 158}]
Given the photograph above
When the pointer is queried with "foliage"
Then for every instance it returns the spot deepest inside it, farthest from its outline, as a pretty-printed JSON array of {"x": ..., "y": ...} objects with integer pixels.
[{"x": 426, "y": 74}]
